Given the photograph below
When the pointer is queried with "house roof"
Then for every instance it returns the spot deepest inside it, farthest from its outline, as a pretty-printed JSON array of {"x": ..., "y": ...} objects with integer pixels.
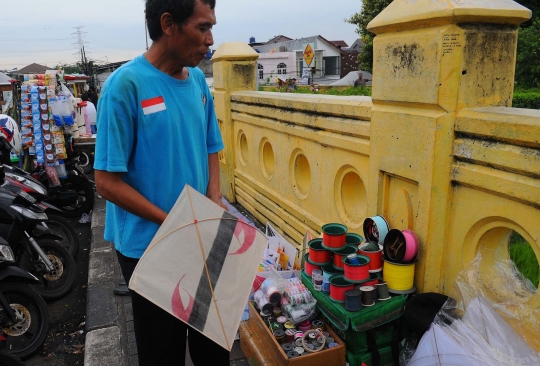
[
  {"x": 278, "y": 39},
  {"x": 331, "y": 44},
  {"x": 343, "y": 44},
  {"x": 4, "y": 79},
  {"x": 32, "y": 69}
]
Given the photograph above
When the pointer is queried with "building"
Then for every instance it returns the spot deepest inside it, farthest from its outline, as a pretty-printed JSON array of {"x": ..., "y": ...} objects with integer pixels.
[
  {"x": 283, "y": 57},
  {"x": 349, "y": 61}
]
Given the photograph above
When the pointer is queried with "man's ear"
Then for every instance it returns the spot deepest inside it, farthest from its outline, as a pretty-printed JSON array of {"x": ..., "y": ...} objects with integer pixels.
[{"x": 167, "y": 24}]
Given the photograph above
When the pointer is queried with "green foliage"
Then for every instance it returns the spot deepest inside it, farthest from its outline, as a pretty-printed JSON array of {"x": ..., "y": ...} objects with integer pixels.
[
  {"x": 524, "y": 257},
  {"x": 267, "y": 81},
  {"x": 370, "y": 9},
  {"x": 528, "y": 57},
  {"x": 526, "y": 99},
  {"x": 328, "y": 91}
]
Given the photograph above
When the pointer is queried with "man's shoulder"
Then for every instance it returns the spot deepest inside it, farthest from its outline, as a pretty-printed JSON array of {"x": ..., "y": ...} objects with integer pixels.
[{"x": 129, "y": 72}]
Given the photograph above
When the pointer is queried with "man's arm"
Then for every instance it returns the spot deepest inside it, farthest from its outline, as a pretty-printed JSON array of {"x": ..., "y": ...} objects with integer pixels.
[
  {"x": 112, "y": 187},
  {"x": 213, "y": 191}
]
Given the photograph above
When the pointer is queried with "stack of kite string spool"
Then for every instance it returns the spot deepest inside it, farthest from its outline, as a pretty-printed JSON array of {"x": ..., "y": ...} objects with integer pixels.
[{"x": 358, "y": 273}]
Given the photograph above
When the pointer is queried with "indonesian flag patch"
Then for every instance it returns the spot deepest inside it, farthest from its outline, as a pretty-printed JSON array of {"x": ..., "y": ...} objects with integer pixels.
[{"x": 153, "y": 105}]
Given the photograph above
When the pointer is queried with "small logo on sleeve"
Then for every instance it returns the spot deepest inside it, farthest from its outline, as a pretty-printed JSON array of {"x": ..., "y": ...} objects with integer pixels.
[
  {"x": 153, "y": 105},
  {"x": 204, "y": 100}
]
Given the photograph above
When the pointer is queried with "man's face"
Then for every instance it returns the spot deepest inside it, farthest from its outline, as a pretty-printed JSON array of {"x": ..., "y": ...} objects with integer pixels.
[
  {"x": 360, "y": 76},
  {"x": 192, "y": 40}
]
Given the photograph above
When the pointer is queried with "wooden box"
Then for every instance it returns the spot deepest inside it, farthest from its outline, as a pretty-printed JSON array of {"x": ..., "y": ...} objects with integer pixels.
[
  {"x": 252, "y": 347},
  {"x": 328, "y": 357}
]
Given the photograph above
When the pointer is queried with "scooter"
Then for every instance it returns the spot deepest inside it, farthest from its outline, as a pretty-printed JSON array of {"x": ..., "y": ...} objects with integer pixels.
[
  {"x": 21, "y": 217},
  {"x": 19, "y": 179},
  {"x": 75, "y": 195},
  {"x": 24, "y": 318}
]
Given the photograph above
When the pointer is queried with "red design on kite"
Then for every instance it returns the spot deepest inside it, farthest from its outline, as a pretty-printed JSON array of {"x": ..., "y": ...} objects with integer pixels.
[
  {"x": 249, "y": 236},
  {"x": 177, "y": 305}
]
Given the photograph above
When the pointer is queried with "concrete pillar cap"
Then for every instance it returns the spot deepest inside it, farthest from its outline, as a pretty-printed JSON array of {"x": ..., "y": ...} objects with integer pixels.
[
  {"x": 413, "y": 14},
  {"x": 235, "y": 51}
]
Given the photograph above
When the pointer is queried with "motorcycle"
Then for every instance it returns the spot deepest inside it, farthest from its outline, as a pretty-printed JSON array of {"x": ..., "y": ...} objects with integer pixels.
[
  {"x": 21, "y": 218},
  {"x": 74, "y": 196},
  {"x": 24, "y": 319},
  {"x": 22, "y": 180}
]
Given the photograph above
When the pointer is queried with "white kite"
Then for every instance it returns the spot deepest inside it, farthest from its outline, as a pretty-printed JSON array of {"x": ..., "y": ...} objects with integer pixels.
[{"x": 200, "y": 266}]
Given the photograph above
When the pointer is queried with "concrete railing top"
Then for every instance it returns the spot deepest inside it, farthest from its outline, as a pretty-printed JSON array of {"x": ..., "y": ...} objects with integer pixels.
[
  {"x": 414, "y": 14},
  {"x": 355, "y": 107}
]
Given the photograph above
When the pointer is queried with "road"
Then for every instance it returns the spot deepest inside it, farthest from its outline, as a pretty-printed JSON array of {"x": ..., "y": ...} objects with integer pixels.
[{"x": 64, "y": 345}]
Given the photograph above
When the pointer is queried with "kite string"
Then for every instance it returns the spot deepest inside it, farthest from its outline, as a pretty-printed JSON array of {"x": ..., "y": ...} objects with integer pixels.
[{"x": 207, "y": 272}]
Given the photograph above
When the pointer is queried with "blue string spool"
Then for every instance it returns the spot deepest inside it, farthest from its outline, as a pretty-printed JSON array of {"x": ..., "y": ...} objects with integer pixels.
[{"x": 353, "y": 300}]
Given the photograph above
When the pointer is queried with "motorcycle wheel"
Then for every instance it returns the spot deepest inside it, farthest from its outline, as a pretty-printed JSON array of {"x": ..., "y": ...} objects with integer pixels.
[
  {"x": 58, "y": 282},
  {"x": 9, "y": 360},
  {"x": 85, "y": 191},
  {"x": 25, "y": 337},
  {"x": 86, "y": 161},
  {"x": 64, "y": 229}
]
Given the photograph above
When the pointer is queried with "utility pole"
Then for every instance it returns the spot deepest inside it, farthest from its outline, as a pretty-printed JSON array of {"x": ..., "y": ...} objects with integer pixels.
[{"x": 80, "y": 46}]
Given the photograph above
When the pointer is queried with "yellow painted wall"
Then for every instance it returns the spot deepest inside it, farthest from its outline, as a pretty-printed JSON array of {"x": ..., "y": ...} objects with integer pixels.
[{"x": 437, "y": 149}]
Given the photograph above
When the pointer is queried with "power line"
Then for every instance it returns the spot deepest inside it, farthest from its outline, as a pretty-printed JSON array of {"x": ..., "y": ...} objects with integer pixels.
[
  {"x": 33, "y": 39},
  {"x": 112, "y": 45}
]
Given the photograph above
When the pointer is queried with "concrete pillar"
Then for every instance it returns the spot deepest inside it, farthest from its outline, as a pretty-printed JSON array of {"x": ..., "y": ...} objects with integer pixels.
[
  {"x": 234, "y": 70},
  {"x": 431, "y": 60}
]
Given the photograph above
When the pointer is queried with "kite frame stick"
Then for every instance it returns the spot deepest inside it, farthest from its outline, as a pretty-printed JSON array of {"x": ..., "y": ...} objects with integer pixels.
[{"x": 207, "y": 272}]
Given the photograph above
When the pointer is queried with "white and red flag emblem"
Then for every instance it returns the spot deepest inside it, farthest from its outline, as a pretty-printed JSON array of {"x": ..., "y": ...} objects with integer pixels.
[
  {"x": 153, "y": 105},
  {"x": 200, "y": 266}
]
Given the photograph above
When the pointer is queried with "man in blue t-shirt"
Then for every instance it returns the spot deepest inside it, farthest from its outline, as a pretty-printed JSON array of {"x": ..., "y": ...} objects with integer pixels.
[{"x": 158, "y": 132}]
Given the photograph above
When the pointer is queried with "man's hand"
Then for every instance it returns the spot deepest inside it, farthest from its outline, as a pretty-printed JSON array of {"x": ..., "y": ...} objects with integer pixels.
[
  {"x": 216, "y": 198},
  {"x": 213, "y": 191}
]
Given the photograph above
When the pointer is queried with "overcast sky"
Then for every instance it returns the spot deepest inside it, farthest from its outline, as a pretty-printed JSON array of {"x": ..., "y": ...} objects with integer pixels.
[{"x": 42, "y": 31}]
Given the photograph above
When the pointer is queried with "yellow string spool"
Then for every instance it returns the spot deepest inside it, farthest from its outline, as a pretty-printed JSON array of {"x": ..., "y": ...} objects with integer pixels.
[{"x": 399, "y": 277}]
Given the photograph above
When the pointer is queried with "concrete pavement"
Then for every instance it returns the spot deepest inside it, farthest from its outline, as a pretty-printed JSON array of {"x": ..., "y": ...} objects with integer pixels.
[{"x": 110, "y": 340}]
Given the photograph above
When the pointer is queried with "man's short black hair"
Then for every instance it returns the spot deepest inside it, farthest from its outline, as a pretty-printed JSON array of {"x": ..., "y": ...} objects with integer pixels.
[
  {"x": 180, "y": 10},
  {"x": 84, "y": 97}
]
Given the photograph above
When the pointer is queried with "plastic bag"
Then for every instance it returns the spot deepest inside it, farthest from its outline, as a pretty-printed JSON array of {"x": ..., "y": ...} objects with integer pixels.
[{"x": 478, "y": 326}]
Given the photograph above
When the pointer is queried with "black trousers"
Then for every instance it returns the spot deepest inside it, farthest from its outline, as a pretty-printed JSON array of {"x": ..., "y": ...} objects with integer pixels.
[{"x": 161, "y": 338}]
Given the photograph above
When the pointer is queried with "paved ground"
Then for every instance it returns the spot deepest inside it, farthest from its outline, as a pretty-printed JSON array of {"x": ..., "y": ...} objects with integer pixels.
[
  {"x": 109, "y": 323},
  {"x": 64, "y": 344}
]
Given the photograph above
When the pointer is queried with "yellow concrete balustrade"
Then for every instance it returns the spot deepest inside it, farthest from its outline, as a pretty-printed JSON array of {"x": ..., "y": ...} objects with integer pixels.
[{"x": 437, "y": 149}]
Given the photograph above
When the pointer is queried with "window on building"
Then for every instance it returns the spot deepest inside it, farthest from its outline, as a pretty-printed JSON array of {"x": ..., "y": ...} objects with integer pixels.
[
  {"x": 261, "y": 71},
  {"x": 281, "y": 69}
]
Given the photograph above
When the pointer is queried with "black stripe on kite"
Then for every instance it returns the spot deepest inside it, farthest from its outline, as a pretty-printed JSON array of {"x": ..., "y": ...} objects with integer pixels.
[{"x": 216, "y": 259}]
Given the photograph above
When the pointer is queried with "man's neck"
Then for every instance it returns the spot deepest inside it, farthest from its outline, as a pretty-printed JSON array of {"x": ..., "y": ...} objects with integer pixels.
[{"x": 166, "y": 62}]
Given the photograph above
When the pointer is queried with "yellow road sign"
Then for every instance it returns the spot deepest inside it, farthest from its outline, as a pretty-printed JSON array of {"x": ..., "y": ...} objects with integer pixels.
[{"x": 309, "y": 54}]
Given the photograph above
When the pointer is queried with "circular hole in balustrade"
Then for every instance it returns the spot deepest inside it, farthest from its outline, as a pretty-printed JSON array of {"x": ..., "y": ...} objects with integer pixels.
[
  {"x": 267, "y": 159},
  {"x": 301, "y": 174},
  {"x": 524, "y": 257},
  {"x": 243, "y": 153},
  {"x": 351, "y": 197}
]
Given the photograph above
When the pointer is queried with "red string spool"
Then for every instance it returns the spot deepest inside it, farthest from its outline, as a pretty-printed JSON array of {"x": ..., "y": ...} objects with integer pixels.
[
  {"x": 334, "y": 236},
  {"x": 309, "y": 267},
  {"x": 356, "y": 273},
  {"x": 318, "y": 254},
  {"x": 375, "y": 258},
  {"x": 338, "y": 286},
  {"x": 340, "y": 254}
]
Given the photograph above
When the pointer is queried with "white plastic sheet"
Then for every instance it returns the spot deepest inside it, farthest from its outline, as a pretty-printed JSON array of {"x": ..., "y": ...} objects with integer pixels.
[{"x": 473, "y": 326}]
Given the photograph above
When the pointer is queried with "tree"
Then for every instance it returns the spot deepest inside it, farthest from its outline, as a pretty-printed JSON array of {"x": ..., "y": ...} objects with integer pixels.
[
  {"x": 69, "y": 69},
  {"x": 528, "y": 57},
  {"x": 370, "y": 9}
]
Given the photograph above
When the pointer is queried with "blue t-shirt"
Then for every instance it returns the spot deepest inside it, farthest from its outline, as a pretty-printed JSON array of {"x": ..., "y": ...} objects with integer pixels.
[{"x": 158, "y": 130}]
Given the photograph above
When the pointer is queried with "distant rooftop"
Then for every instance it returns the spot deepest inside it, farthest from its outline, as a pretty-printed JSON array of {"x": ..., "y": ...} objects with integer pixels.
[{"x": 32, "y": 69}]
